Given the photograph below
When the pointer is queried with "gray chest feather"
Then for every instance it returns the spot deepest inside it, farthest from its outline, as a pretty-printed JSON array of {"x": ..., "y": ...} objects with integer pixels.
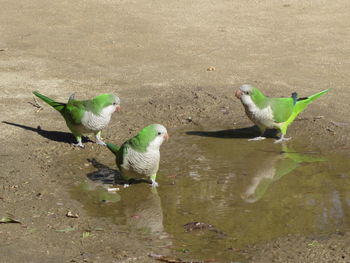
[
  {"x": 92, "y": 122},
  {"x": 141, "y": 163},
  {"x": 261, "y": 117}
]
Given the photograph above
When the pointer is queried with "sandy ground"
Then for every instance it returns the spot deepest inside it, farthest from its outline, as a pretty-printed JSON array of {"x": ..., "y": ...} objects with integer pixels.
[{"x": 155, "y": 55}]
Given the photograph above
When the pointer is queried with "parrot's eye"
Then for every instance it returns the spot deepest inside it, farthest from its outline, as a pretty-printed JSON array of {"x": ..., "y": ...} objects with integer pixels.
[
  {"x": 246, "y": 92},
  {"x": 159, "y": 133},
  {"x": 114, "y": 103}
]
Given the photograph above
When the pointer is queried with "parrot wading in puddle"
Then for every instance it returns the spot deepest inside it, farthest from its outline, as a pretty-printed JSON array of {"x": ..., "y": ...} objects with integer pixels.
[
  {"x": 87, "y": 116},
  {"x": 139, "y": 156},
  {"x": 276, "y": 113}
]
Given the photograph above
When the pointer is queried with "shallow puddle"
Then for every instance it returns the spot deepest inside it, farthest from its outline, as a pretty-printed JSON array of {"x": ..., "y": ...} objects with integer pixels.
[{"x": 248, "y": 191}]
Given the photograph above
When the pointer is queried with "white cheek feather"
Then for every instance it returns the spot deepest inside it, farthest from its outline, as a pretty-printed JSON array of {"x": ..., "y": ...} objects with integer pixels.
[
  {"x": 108, "y": 111},
  {"x": 93, "y": 122},
  {"x": 155, "y": 144},
  {"x": 262, "y": 117}
]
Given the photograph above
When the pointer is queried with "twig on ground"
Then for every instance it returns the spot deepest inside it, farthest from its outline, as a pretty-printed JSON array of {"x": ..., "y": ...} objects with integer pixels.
[
  {"x": 36, "y": 105},
  {"x": 307, "y": 118},
  {"x": 172, "y": 260}
]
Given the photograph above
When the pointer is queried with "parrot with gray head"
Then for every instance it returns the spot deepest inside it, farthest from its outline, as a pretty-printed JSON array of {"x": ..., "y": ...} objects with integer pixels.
[
  {"x": 87, "y": 116},
  {"x": 276, "y": 113},
  {"x": 140, "y": 156}
]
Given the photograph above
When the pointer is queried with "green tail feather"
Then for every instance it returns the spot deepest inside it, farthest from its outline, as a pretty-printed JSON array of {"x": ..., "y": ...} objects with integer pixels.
[
  {"x": 300, "y": 105},
  {"x": 56, "y": 105},
  {"x": 303, "y": 103},
  {"x": 113, "y": 148}
]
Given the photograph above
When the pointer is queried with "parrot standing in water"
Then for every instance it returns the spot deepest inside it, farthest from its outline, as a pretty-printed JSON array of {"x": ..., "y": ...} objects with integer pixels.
[
  {"x": 276, "y": 113},
  {"x": 139, "y": 156},
  {"x": 87, "y": 116}
]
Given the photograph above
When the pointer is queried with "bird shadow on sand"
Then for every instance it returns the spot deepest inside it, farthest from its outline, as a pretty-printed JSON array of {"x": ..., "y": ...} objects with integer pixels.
[
  {"x": 106, "y": 175},
  {"x": 56, "y": 136},
  {"x": 240, "y": 133}
]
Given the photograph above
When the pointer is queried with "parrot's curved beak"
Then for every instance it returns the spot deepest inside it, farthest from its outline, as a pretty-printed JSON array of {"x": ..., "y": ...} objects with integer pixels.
[
  {"x": 238, "y": 94},
  {"x": 118, "y": 108},
  {"x": 166, "y": 137}
]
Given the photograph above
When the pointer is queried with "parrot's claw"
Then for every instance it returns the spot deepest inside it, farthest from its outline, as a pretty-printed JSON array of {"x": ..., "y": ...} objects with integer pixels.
[
  {"x": 100, "y": 142},
  {"x": 79, "y": 144},
  {"x": 99, "y": 139},
  {"x": 155, "y": 184},
  {"x": 259, "y": 138},
  {"x": 282, "y": 139}
]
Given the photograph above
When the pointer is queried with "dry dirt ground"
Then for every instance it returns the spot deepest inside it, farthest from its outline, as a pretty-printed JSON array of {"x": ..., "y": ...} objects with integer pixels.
[{"x": 155, "y": 55}]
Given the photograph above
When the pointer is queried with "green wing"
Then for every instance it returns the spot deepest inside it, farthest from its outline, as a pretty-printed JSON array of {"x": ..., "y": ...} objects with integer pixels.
[
  {"x": 74, "y": 111},
  {"x": 123, "y": 151},
  {"x": 282, "y": 108},
  {"x": 119, "y": 152}
]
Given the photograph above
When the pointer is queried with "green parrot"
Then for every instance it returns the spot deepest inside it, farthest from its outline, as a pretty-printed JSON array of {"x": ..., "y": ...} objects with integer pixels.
[
  {"x": 87, "y": 116},
  {"x": 140, "y": 155},
  {"x": 276, "y": 113}
]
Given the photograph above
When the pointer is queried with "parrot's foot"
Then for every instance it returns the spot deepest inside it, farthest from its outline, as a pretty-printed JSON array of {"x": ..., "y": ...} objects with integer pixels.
[
  {"x": 100, "y": 142},
  {"x": 259, "y": 138},
  {"x": 155, "y": 184},
  {"x": 79, "y": 144},
  {"x": 282, "y": 139},
  {"x": 99, "y": 139},
  {"x": 126, "y": 185}
]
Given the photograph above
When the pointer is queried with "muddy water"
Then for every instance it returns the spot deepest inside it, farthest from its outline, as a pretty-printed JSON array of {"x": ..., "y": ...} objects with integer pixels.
[{"x": 248, "y": 191}]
